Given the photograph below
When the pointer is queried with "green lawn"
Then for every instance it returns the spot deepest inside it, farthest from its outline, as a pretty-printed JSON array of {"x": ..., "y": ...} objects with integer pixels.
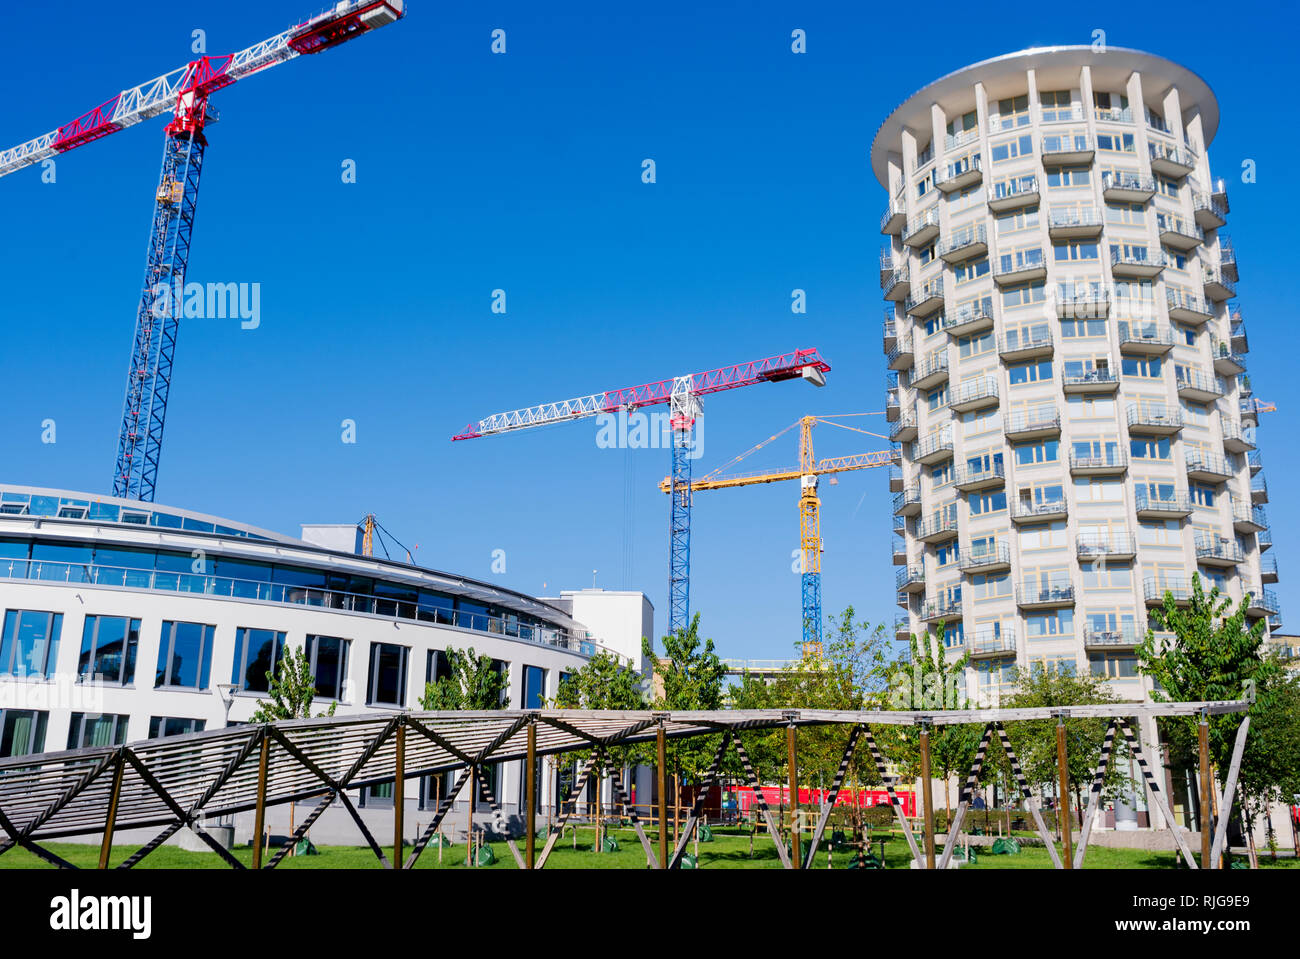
[{"x": 729, "y": 850}]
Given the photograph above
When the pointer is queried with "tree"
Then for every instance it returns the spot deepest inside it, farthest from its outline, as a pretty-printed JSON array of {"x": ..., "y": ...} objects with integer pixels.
[
  {"x": 603, "y": 683},
  {"x": 473, "y": 682},
  {"x": 292, "y": 691},
  {"x": 1270, "y": 766}
]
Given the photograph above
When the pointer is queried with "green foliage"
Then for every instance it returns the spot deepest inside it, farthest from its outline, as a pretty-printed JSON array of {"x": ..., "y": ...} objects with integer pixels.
[
  {"x": 292, "y": 692},
  {"x": 604, "y": 683},
  {"x": 691, "y": 677},
  {"x": 1270, "y": 766},
  {"x": 472, "y": 684}
]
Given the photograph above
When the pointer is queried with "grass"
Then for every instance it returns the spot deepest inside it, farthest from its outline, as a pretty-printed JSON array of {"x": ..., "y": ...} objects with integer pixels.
[{"x": 729, "y": 850}]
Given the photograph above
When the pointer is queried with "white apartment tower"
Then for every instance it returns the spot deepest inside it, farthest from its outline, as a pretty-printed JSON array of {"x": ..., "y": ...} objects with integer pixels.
[{"x": 1067, "y": 376}]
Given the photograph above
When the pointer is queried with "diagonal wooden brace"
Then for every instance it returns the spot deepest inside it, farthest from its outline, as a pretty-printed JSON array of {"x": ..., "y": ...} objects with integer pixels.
[
  {"x": 1135, "y": 748},
  {"x": 574, "y": 792},
  {"x": 1029, "y": 799},
  {"x": 882, "y": 769},
  {"x": 651, "y": 859},
  {"x": 832, "y": 795},
  {"x": 964, "y": 798},
  {"x": 761, "y": 802},
  {"x": 676, "y": 858},
  {"x": 1094, "y": 796}
]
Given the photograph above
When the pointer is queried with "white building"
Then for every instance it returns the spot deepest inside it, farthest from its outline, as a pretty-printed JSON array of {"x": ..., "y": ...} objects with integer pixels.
[{"x": 125, "y": 621}]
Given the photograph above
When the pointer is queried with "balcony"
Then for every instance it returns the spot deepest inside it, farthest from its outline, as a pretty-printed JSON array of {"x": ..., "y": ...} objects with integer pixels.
[
  {"x": 897, "y": 285},
  {"x": 931, "y": 371},
  {"x": 1248, "y": 519},
  {"x": 1219, "y": 192},
  {"x": 1171, "y": 161},
  {"x": 1106, "y": 546},
  {"x": 1255, "y": 460},
  {"x": 901, "y": 356},
  {"x": 1031, "y": 595},
  {"x": 900, "y": 551},
  {"x": 1208, "y": 467},
  {"x": 895, "y": 479},
  {"x": 1150, "y": 506},
  {"x": 926, "y": 300},
  {"x": 1154, "y": 419},
  {"x": 1026, "y": 343},
  {"x": 1176, "y": 233},
  {"x": 1137, "y": 263},
  {"x": 1258, "y": 489},
  {"x": 1218, "y": 551},
  {"x": 967, "y": 244},
  {"x": 895, "y": 216},
  {"x": 971, "y": 318},
  {"x": 1041, "y": 422},
  {"x": 935, "y": 448},
  {"x": 922, "y": 230},
  {"x": 904, "y": 431},
  {"x": 888, "y": 333},
  {"x": 1074, "y": 223},
  {"x": 937, "y": 527},
  {"x": 1099, "y": 380},
  {"x": 973, "y": 394},
  {"x": 1067, "y": 149},
  {"x": 1049, "y": 511},
  {"x": 1127, "y": 187},
  {"x": 1121, "y": 636},
  {"x": 1263, "y": 602},
  {"x": 1023, "y": 266},
  {"x": 1217, "y": 286},
  {"x": 989, "y": 645},
  {"x": 1249, "y": 410},
  {"x": 902, "y": 628},
  {"x": 1154, "y": 590},
  {"x": 1013, "y": 194},
  {"x": 947, "y": 609},
  {"x": 1109, "y": 463},
  {"x": 1198, "y": 387},
  {"x": 1228, "y": 258},
  {"x": 1268, "y": 568},
  {"x": 910, "y": 579},
  {"x": 969, "y": 478},
  {"x": 1238, "y": 339},
  {"x": 1149, "y": 339},
  {"x": 1210, "y": 213},
  {"x": 1226, "y": 362},
  {"x": 1082, "y": 302},
  {"x": 954, "y": 141},
  {"x": 1264, "y": 540},
  {"x": 959, "y": 174},
  {"x": 1188, "y": 309},
  {"x": 994, "y": 558}
]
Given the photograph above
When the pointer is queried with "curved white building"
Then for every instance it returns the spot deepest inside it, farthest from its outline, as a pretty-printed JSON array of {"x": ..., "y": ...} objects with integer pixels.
[
  {"x": 1067, "y": 370},
  {"x": 125, "y": 621}
]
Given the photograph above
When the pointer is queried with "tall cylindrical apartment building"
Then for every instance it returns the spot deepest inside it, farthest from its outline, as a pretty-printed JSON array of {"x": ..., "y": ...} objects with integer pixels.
[{"x": 1067, "y": 376}]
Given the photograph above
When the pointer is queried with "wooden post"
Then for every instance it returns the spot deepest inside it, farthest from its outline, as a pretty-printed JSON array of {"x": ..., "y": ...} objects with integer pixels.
[
  {"x": 793, "y": 764},
  {"x": 1063, "y": 795},
  {"x": 530, "y": 797},
  {"x": 111, "y": 822},
  {"x": 1203, "y": 735},
  {"x": 471, "y": 772},
  {"x": 662, "y": 758},
  {"x": 259, "y": 817},
  {"x": 927, "y": 797},
  {"x": 399, "y": 781}
]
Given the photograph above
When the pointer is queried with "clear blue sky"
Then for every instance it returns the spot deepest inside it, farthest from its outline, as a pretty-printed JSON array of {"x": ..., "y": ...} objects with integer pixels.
[{"x": 522, "y": 172}]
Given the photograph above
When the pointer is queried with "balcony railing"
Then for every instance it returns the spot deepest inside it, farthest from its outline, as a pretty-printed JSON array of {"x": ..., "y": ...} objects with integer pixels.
[
  {"x": 1014, "y": 267},
  {"x": 952, "y": 141},
  {"x": 1110, "y": 461},
  {"x": 909, "y": 576},
  {"x": 1015, "y": 192},
  {"x": 1171, "y": 160},
  {"x": 1001, "y": 643},
  {"x": 940, "y": 525},
  {"x": 1106, "y": 544},
  {"x": 1177, "y": 504},
  {"x": 1127, "y": 187},
  {"x": 1219, "y": 550},
  {"x": 1030, "y": 512},
  {"x": 1097, "y": 380},
  {"x": 1067, "y": 148},
  {"x": 974, "y": 393},
  {"x": 933, "y": 448},
  {"x": 1210, "y": 213},
  {"x": 984, "y": 557},
  {"x": 1036, "y": 341},
  {"x": 1104, "y": 637},
  {"x": 1154, "y": 589},
  {"x": 1178, "y": 233},
  {"x": 968, "y": 477},
  {"x": 895, "y": 216},
  {"x": 1041, "y": 419},
  {"x": 1200, "y": 385},
  {"x": 894, "y": 282},
  {"x": 945, "y": 608},
  {"x": 969, "y": 318},
  {"x": 909, "y": 497},
  {"x": 1268, "y": 568},
  {"x": 927, "y": 299},
  {"x": 1081, "y": 221},
  {"x": 1248, "y": 518},
  {"x": 1262, "y": 599},
  {"x": 1154, "y": 417},
  {"x": 904, "y": 430},
  {"x": 931, "y": 370},
  {"x": 1045, "y": 594},
  {"x": 921, "y": 229},
  {"x": 969, "y": 242},
  {"x": 1137, "y": 262},
  {"x": 1207, "y": 464},
  {"x": 1146, "y": 337},
  {"x": 959, "y": 175}
]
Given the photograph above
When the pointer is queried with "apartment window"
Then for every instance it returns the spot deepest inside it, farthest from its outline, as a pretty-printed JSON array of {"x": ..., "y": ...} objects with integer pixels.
[
  {"x": 945, "y": 554},
  {"x": 924, "y": 155},
  {"x": 1075, "y": 251},
  {"x": 1032, "y": 372},
  {"x": 1130, "y": 251},
  {"x": 22, "y": 732},
  {"x": 979, "y": 422},
  {"x": 970, "y": 270},
  {"x": 1166, "y": 187},
  {"x": 534, "y": 688},
  {"x": 108, "y": 648},
  {"x": 1034, "y": 496},
  {"x": 941, "y": 475},
  {"x": 1050, "y": 624},
  {"x": 937, "y": 398},
  {"x": 985, "y": 586},
  {"x": 1056, "y": 105},
  {"x": 926, "y": 254},
  {"x": 926, "y": 183},
  {"x": 1125, "y": 214},
  {"x": 387, "y": 683},
  {"x": 1090, "y": 407},
  {"x": 1186, "y": 333},
  {"x": 1044, "y": 451},
  {"x": 1176, "y": 259},
  {"x": 1149, "y": 447},
  {"x": 1023, "y": 294},
  {"x": 96, "y": 729},
  {"x": 1082, "y": 329},
  {"x": 995, "y": 673},
  {"x": 977, "y": 345},
  {"x": 1055, "y": 665},
  {"x": 1013, "y": 148},
  {"x": 1067, "y": 177},
  {"x": 1107, "y": 576},
  {"x": 1146, "y": 367},
  {"x": 1043, "y": 536},
  {"x": 257, "y": 653},
  {"x": 1013, "y": 112},
  {"x": 1202, "y": 495},
  {"x": 959, "y": 125},
  {"x": 1016, "y": 221},
  {"x": 1097, "y": 490},
  {"x": 1116, "y": 142},
  {"x": 328, "y": 657},
  {"x": 29, "y": 645},
  {"x": 1112, "y": 665},
  {"x": 1159, "y": 532},
  {"x": 174, "y": 726},
  {"x": 184, "y": 655},
  {"x": 954, "y": 636},
  {"x": 981, "y": 504}
]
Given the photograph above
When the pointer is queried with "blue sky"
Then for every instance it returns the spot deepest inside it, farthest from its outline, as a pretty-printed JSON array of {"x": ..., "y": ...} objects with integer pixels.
[{"x": 522, "y": 172}]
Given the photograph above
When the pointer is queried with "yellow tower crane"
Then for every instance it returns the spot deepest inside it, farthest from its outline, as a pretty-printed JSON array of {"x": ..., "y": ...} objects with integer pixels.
[{"x": 807, "y": 473}]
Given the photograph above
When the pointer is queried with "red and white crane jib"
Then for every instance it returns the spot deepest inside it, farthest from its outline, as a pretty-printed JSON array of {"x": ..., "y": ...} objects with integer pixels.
[
  {"x": 806, "y": 363},
  {"x": 178, "y": 89}
]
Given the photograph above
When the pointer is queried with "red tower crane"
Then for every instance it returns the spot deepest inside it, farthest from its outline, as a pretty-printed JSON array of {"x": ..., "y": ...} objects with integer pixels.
[{"x": 184, "y": 92}]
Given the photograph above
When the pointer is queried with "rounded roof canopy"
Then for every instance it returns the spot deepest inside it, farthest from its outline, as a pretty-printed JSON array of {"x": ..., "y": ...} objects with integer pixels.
[{"x": 1110, "y": 67}]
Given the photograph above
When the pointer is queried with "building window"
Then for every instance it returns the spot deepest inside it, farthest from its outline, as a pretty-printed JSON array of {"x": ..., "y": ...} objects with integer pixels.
[
  {"x": 328, "y": 656},
  {"x": 258, "y": 652},
  {"x": 108, "y": 648},
  {"x": 1022, "y": 294},
  {"x": 1110, "y": 666},
  {"x": 1116, "y": 142},
  {"x": 1056, "y": 105},
  {"x": 96, "y": 729},
  {"x": 1149, "y": 448},
  {"x": 1012, "y": 112},
  {"x": 1047, "y": 451},
  {"x": 534, "y": 687},
  {"x": 22, "y": 732},
  {"x": 29, "y": 645},
  {"x": 1029, "y": 372},
  {"x": 174, "y": 726},
  {"x": 1147, "y": 367},
  {"x": 1066, "y": 177},
  {"x": 387, "y": 678},
  {"x": 184, "y": 655}
]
